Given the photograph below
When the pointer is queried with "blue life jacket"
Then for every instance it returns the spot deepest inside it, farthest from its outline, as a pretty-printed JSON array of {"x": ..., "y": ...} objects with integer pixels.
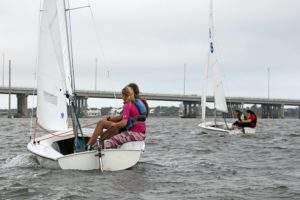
[
  {"x": 140, "y": 106},
  {"x": 142, "y": 111}
]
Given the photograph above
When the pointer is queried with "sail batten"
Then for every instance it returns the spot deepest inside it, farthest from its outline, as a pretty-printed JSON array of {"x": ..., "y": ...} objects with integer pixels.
[{"x": 53, "y": 78}]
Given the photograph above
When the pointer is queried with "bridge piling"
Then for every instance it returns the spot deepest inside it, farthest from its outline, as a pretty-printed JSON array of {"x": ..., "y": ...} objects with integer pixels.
[
  {"x": 184, "y": 110},
  {"x": 189, "y": 109},
  {"x": 272, "y": 111},
  {"x": 282, "y": 111},
  {"x": 81, "y": 104},
  {"x": 22, "y": 105},
  {"x": 265, "y": 111}
]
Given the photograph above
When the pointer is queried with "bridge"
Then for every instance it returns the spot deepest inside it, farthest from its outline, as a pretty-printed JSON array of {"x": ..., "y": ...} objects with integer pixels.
[{"x": 273, "y": 108}]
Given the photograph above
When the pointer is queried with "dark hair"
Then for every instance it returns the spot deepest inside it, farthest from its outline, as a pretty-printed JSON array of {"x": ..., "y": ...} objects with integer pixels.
[
  {"x": 250, "y": 112},
  {"x": 135, "y": 88},
  {"x": 238, "y": 114}
]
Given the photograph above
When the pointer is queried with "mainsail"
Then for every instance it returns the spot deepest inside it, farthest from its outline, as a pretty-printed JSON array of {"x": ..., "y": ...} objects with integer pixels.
[
  {"x": 219, "y": 96},
  {"x": 53, "y": 74}
]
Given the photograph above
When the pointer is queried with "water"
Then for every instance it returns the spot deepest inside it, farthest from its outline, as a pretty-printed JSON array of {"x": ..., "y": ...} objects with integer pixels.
[{"x": 179, "y": 163}]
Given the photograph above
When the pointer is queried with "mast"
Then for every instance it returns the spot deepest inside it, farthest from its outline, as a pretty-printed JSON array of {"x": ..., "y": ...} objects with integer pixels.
[
  {"x": 219, "y": 94},
  {"x": 184, "y": 77},
  {"x": 3, "y": 66},
  {"x": 69, "y": 33},
  {"x": 211, "y": 45},
  {"x": 205, "y": 84},
  {"x": 208, "y": 65},
  {"x": 9, "y": 86},
  {"x": 268, "y": 92},
  {"x": 268, "y": 83},
  {"x": 96, "y": 73},
  {"x": 69, "y": 41},
  {"x": 78, "y": 144}
]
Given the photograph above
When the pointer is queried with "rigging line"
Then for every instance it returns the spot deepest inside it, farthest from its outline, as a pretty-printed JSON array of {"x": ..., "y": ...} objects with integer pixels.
[
  {"x": 61, "y": 134},
  {"x": 98, "y": 39},
  {"x": 32, "y": 109},
  {"x": 75, "y": 121},
  {"x": 225, "y": 121},
  {"x": 68, "y": 9},
  {"x": 35, "y": 72}
]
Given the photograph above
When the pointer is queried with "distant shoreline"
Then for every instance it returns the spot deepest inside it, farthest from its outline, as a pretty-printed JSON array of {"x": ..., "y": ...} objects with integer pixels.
[{"x": 159, "y": 111}]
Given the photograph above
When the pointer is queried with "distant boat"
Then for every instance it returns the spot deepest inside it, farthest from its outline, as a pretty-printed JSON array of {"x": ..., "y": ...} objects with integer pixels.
[
  {"x": 220, "y": 105},
  {"x": 64, "y": 147}
]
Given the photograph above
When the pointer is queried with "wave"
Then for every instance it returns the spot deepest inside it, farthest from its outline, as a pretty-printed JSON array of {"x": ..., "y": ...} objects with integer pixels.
[
  {"x": 22, "y": 161},
  {"x": 294, "y": 135}
]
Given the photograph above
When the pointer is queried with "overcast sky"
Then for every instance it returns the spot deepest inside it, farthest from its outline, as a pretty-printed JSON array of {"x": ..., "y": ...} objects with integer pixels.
[{"x": 148, "y": 42}]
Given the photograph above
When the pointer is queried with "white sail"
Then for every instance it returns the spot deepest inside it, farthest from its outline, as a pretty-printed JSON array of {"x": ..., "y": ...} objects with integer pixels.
[
  {"x": 219, "y": 95},
  {"x": 53, "y": 74}
]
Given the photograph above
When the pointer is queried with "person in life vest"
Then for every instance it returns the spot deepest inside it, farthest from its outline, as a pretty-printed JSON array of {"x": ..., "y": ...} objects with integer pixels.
[
  {"x": 251, "y": 120},
  {"x": 117, "y": 132},
  {"x": 240, "y": 118},
  {"x": 140, "y": 103}
]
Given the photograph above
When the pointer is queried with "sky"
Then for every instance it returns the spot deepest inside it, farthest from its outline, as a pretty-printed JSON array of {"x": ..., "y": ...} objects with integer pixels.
[{"x": 148, "y": 42}]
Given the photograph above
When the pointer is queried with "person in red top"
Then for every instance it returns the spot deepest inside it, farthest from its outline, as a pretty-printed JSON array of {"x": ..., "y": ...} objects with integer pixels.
[{"x": 250, "y": 121}]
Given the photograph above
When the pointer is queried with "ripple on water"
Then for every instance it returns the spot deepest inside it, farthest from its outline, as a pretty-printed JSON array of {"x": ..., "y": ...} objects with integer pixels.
[
  {"x": 179, "y": 161},
  {"x": 294, "y": 135},
  {"x": 203, "y": 151},
  {"x": 16, "y": 190}
]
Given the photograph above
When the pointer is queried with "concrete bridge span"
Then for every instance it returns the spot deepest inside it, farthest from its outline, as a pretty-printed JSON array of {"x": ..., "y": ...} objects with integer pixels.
[{"x": 273, "y": 108}]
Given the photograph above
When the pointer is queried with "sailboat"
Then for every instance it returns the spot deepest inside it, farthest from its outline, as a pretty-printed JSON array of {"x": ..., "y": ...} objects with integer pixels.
[
  {"x": 220, "y": 105},
  {"x": 64, "y": 147}
]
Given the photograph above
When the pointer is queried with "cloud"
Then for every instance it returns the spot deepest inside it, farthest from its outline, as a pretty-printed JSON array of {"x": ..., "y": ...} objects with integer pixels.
[{"x": 149, "y": 41}]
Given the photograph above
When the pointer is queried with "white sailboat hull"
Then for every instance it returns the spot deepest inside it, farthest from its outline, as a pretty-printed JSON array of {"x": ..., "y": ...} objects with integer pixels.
[
  {"x": 221, "y": 128},
  {"x": 48, "y": 155},
  {"x": 112, "y": 160}
]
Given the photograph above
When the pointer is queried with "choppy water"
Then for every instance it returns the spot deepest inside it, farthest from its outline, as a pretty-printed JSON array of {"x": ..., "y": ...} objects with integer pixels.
[{"x": 179, "y": 163}]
